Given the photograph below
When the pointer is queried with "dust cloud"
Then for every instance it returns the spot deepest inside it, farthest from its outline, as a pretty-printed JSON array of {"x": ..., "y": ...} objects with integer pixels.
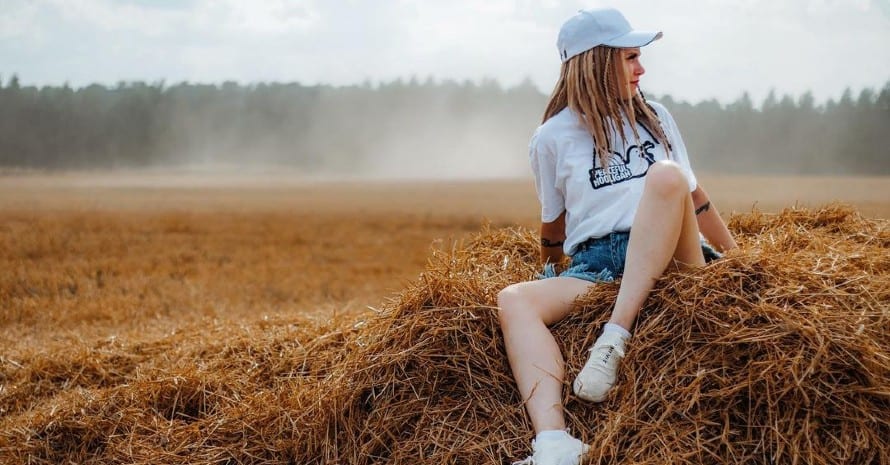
[{"x": 410, "y": 132}]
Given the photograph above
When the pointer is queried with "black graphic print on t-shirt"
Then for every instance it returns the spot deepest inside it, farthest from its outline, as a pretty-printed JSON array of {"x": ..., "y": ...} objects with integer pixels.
[{"x": 633, "y": 163}]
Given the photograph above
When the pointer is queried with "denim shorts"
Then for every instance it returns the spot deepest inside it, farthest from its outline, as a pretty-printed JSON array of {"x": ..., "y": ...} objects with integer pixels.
[{"x": 602, "y": 259}]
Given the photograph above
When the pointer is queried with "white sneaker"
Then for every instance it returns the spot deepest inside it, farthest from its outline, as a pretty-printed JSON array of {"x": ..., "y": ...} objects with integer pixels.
[
  {"x": 598, "y": 375},
  {"x": 562, "y": 451}
]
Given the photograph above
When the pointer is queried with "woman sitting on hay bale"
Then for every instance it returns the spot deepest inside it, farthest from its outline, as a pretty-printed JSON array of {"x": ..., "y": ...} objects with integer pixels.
[{"x": 619, "y": 199}]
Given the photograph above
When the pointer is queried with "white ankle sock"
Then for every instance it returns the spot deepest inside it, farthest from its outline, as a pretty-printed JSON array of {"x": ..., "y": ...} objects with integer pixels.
[
  {"x": 551, "y": 434},
  {"x": 613, "y": 328}
]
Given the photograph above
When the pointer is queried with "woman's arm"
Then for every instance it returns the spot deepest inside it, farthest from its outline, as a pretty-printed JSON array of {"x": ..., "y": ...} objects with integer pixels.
[
  {"x": 553, "y": 235},
  {"x": 709, "y": 222}
]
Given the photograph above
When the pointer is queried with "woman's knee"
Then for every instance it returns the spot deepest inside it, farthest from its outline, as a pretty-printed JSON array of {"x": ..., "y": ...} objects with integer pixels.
[
  {"x": 667, "y": 177},
  {"x": 511, "y": 302}
]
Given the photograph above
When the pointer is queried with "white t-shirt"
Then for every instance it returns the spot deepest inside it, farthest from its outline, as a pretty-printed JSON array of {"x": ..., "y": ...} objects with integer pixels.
[{"x": 568, "y": 175}]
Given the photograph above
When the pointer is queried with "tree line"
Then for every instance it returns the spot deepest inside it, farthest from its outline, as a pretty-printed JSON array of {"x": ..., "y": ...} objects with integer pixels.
[{"x": 354, "y": 129}]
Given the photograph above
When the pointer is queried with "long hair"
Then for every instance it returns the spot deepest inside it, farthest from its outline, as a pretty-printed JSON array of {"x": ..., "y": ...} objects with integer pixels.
[{"x": 589, "y": 85}]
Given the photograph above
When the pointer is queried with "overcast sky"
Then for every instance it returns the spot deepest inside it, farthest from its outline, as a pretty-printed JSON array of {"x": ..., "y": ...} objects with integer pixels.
[{"x": 711, "y": 48}]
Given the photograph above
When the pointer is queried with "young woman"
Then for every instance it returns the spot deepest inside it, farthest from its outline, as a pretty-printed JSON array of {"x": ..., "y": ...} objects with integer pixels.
[{"x": 619, "y": 197}]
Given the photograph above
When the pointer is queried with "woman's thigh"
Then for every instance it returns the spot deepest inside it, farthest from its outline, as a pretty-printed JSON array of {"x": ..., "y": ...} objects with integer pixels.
[{"x": 550, "y": 299}]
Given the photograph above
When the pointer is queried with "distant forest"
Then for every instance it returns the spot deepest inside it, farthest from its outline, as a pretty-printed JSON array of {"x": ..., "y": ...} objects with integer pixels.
[{"x": 380, "y": 128}]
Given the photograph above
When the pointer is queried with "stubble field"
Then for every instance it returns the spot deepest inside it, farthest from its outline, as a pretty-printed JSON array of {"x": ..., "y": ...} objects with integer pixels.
[
  {"x": 87, "y": 256},
  {"x": 88, "y": 261}
]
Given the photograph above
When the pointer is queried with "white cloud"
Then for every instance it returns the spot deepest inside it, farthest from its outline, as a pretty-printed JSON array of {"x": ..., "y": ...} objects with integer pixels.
[
  {"x": 269, "y": 18},
  {"x": 109, "y": 17},
  {"x": 16, "y": 19}
]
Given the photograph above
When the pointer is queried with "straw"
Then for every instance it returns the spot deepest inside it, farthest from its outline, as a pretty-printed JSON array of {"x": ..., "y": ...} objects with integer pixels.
[{"x": 779, "y": 353}]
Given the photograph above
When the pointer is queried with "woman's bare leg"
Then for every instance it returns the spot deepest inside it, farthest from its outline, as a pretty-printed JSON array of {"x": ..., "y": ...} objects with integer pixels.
[
  {"x": 664, "y": 228},
  {"x": 526, "y": 309}
]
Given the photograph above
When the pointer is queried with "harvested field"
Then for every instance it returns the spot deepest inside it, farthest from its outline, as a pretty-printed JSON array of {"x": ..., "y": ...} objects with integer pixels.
[{"x": 230, "y": 324}]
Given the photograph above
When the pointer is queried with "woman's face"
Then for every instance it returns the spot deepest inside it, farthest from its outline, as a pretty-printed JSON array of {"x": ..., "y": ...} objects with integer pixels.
[{"x": 633, "y": 69}]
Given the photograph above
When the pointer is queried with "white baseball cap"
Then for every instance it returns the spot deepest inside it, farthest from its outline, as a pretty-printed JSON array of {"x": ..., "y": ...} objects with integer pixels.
[{"x": 599, "y": 26}]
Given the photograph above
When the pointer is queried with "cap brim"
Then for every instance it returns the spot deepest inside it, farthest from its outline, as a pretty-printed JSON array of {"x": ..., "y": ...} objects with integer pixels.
[{"x": 634, "y": 39}]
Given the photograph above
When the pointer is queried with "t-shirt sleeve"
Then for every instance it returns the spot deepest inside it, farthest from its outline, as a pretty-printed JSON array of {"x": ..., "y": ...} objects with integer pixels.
[
  {"x": 678, "y": 148},
  {"x": 542, "y": 157}
]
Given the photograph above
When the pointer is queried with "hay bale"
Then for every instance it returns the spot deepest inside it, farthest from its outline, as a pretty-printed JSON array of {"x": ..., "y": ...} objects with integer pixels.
[{"x": 779, "y": 353}]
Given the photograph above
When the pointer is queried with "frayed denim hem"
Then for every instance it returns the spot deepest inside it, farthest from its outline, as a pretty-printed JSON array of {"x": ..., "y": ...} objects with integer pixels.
[
  {"x": 549, "y": 272},
  {"x": 578, "y": 271}
]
